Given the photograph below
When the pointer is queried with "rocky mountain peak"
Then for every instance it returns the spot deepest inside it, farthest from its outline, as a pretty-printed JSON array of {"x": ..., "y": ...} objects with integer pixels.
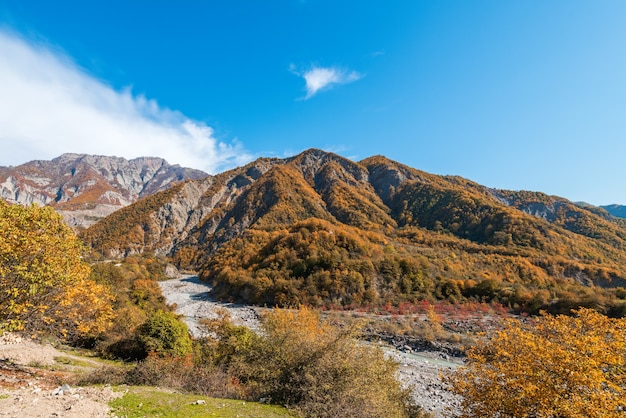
[
  {"x": 85, "y": 188},
  {"x": 319, "y": 166}
]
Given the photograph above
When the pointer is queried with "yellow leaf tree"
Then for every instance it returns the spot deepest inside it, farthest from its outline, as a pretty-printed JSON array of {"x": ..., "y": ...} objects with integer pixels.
[
  {"x": 44, "y": 285},
  {"x": 558, "y": 366}
]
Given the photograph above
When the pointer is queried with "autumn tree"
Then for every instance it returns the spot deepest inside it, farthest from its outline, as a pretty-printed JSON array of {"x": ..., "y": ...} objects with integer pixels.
[
  {"x": 558, "y": 366},
  {"x": 44, "y": 284}
]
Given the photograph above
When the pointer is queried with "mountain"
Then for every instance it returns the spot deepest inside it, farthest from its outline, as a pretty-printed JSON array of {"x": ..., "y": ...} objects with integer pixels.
[
  {"x": 616, "y": 210},
  {"x": 323, "y": 230},
  {"x": 87, "y": 188}
]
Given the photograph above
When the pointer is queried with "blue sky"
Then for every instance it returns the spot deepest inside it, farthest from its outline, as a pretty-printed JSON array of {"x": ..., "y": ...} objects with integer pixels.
[{"x": 511, "y": 94}]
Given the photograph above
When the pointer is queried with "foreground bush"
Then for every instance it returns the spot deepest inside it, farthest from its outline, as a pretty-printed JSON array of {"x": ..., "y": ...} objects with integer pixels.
[
  {"x": 299, "y": 360},
  {"x": 560, "y": 366},
  {"x": 313, "y": 367},
  {"x": 182, "y": 373}
]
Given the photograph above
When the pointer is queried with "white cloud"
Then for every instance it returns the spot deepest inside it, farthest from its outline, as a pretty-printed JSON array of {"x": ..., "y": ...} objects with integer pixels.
[
  {"x": 324, "y": 78},
  {"x": 48, "y": 106}
]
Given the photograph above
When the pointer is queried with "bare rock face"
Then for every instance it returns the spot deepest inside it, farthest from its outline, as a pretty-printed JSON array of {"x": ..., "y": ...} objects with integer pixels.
[
  {"x": 163, "y": 220},
  {"x": 87, "y": 188}
]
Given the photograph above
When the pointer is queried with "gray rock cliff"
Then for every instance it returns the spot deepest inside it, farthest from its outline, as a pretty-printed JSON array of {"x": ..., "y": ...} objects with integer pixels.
[{"x": 86, "y": 188}]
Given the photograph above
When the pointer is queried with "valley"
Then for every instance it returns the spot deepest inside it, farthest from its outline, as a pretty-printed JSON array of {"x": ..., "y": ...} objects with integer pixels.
[
  {"x": 299, "y": 264},
  {"x": 312, "y": 209}
]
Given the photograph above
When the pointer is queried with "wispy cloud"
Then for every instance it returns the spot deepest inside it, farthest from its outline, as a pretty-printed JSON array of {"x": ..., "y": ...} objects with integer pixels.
[
  {"x": 324, "y": 78},
  {"x": 49, "y": 105}
]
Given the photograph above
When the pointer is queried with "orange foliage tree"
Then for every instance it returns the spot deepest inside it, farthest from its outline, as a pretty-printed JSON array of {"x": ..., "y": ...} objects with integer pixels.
[
  {"x": 44, "y": 283},
  {"x": 560, "y": 366}
]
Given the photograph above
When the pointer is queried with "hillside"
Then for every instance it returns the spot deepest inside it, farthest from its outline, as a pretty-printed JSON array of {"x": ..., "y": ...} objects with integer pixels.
[
  {"x": 87, "y": 188},
  {"x": 323, "y": 230}
]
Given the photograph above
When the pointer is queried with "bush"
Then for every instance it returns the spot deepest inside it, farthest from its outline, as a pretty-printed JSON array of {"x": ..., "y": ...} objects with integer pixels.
[
  {"x": 319, "y": 370},
  {"x": 163, "y": 333},
  {"x": 182, "y": 373},
  {"x": 299, "y": 361},
  {"x": 106, "y": 375},
  {"x": 133, "y": 283}
]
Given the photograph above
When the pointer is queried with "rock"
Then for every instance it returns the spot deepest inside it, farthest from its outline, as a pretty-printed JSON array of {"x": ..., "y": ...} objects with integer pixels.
[
  {"x": 62, "y": 390},
  {"x": 86, "y": 188},
  {"x": 10, "y": 338},
  {"x": 199, "y": 402},
  {"x": 172, "y": 272}
]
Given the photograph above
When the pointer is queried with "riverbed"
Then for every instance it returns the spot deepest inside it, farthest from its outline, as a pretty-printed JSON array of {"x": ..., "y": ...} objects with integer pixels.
[{"x": 193, "y": 299}]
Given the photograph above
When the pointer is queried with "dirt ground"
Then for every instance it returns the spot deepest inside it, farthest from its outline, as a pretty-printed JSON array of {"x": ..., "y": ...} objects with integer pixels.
[{"x": 34, "y": 384}]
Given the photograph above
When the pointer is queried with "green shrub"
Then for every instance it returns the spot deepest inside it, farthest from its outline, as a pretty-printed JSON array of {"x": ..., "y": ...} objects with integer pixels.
[{"x": 164, "y": 333}]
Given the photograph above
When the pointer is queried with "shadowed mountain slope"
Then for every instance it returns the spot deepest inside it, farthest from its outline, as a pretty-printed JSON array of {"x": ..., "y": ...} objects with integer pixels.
[{"x": 616, "y": 210}]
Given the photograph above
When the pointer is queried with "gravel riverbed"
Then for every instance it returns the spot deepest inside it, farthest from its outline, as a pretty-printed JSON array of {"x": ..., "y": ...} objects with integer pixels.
[
  {"x": 193, "y": 300},
  {"x": 421, "y": 371}
]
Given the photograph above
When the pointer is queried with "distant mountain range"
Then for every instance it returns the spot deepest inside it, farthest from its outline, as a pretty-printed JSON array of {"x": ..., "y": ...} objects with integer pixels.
[
  {"x": 323, "y": 230},
  {"x": 616, "y": 210},
  {"x": 87, "y": 188}
]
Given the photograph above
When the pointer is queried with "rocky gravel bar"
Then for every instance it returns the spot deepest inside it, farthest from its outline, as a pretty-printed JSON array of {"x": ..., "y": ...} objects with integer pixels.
[{"x": 193, "y": 299}]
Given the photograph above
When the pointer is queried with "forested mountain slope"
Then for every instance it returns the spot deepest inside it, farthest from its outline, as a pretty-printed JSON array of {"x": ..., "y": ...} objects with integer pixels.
[{"x": 320, "y": 229}]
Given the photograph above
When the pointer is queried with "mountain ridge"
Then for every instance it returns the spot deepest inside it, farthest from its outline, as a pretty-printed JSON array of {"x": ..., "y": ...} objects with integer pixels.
[
  {"x": 615, "y": 210},
  {"x": 345, "y": 232},
  {"x": 86, "y": 188}
]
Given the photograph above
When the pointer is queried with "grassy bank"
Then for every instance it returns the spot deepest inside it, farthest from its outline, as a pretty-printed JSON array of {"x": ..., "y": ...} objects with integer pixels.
[{"x": 141, "y": 401}]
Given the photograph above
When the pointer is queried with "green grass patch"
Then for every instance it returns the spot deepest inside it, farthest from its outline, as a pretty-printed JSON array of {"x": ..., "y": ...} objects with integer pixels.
[
  {"x": 92, "y": 356},
  {"x": 69, "y": 361},
  {"x": 152, "y": 402}
]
